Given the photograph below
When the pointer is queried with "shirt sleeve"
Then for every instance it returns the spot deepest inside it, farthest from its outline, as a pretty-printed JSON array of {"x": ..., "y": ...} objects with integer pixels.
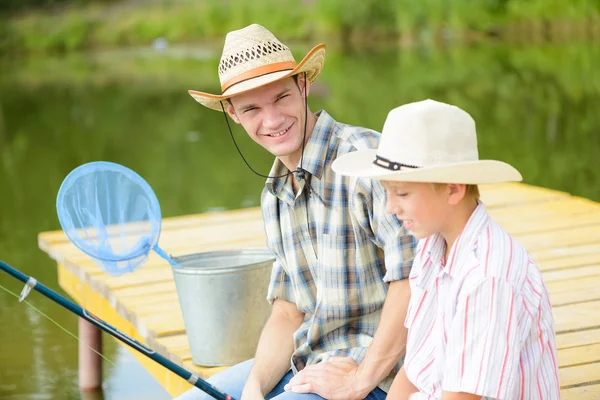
[
  {"x": 483, "y": 348},
  {"x": 280, "y": 285},
  {"x": 385, "y": 230}
]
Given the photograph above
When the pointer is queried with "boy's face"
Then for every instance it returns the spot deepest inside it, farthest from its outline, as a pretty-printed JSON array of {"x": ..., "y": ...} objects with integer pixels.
[
  {"x": 273, "y": 116},
  {"x": 420, "y": 206}
]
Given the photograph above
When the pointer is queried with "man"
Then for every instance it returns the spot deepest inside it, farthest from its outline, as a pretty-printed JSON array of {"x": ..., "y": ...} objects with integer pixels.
[{"x": 339, "y": 256}]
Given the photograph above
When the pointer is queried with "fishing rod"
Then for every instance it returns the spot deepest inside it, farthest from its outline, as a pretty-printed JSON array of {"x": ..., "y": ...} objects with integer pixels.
[{"x": 31, "y": 283}]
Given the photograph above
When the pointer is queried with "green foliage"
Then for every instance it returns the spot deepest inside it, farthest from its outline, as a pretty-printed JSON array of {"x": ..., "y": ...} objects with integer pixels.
[{"x": 91, "y": 23}]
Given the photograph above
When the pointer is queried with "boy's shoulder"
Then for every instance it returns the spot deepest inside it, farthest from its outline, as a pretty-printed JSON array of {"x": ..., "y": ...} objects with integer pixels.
[{"x": 500, "y": 255}]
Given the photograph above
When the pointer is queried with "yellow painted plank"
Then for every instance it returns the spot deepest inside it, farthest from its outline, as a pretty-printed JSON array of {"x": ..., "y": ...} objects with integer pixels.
[
  {"x": 561, "y": 252},
  {"x": 577, "y": 375},
  {"x": 568, "y": 298},
  {"x": 590, "y": 392},
  {"x": 577, "y": 317},
  {"x": 174, "y": 384},
  {"x": 574, "y": 285},
  {"x": 563, "y": 238},
  {"x": 527, "y": 226},
  {"x": 509, "y": 194},
  {"x": 572, "y": 273},
  {"x": 579, "y": 338},
  {"x": 567, "y": 206},
  {"x": 569, "y": 262},
  {"x": 172, "y": 223},
  {"x": 205, "y": 235},
  {"x": 579, "y": 355}
]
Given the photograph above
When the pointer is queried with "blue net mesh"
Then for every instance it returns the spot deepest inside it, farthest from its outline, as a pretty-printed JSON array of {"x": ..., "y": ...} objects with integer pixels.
[{"x": 111, "y": 214}]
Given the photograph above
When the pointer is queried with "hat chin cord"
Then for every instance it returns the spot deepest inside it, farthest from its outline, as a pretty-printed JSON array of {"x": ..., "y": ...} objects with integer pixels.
[{"x": 299, "y": 171}]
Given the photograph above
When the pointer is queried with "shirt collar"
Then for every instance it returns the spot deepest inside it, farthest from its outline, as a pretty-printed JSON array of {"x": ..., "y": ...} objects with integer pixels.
[
  {"x": 434, "y": 249},
  {"x": 465, "y": 242},
  {"x": 314, "y": 156}
]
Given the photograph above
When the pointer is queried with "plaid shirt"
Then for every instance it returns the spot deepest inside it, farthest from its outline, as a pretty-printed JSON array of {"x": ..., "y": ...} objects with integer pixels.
[{"x": 335, "y": 247}]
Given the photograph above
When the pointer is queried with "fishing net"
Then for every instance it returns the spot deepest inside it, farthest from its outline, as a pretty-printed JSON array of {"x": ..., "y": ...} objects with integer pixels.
[{"x": 111, "y": 214}]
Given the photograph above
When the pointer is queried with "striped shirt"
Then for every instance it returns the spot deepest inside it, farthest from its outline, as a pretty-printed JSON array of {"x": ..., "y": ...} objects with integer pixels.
[
  {"x": 335, "y": 247},
  {"x": 482, "y": 323}
]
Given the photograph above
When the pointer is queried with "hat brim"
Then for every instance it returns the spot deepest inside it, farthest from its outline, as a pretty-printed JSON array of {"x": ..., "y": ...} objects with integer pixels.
[
  {"x": 360, "y": 164},
  {"x": 312, "y": 64}
]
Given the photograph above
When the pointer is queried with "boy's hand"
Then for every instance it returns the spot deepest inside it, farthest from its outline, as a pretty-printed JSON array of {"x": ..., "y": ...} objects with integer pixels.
[
  {"x": 252, "y": 391},
  {"x": 334, "y": 379}
]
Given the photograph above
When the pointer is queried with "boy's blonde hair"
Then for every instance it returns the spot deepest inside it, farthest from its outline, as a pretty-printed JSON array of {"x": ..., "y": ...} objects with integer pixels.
[{"x": 471, "y": 191}]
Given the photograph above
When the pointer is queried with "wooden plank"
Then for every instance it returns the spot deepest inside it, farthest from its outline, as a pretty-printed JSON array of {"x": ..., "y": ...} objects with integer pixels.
[
  {"x": 563, "y": 238},
  {"x": 206, "y": 235},
  {"x": 579, "y": 356},
  {"x": 576, "y": 317},
  {"x": 510, "y": 194},
  {"x": 526, "y": 226},
  {"x": 549, "y": 209},
  {"x": 572, "y": 273},
  {"x": 569, "y": 262},
  {"x": 579, "y": 338},
  {"x": 589, "y": 392},
  {"x": 561, "y": 252},
  {"x": 573, "y": 285},
  {"x": 572, "y": 376},
  {"x": 47, "y": 239}
]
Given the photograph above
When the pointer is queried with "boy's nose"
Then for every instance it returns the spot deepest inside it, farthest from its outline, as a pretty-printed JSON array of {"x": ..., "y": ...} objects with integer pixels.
[{"x": 391, "y": 206}]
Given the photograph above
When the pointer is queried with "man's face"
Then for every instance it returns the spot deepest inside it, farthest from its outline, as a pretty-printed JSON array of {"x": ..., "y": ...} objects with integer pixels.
[
  {"x": 421, "y": 208},
  {"x": 273, "y": 116}
]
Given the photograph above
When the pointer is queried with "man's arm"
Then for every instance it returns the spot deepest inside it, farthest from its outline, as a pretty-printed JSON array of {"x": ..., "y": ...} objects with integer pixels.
[
  {"x": 341, "y": 378},
  {"x": 389, "y": 342},
  {"x": 275, "y": 348}
]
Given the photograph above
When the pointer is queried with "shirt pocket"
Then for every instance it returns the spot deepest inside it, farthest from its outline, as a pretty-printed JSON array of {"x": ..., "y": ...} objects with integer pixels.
[
  {"x": 338, "y": 276},
  {"x": 417, "y": 297}
]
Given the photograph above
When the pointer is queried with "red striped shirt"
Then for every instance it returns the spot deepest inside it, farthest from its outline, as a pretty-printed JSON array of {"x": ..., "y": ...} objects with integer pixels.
[{"x": 483, "y": 323}]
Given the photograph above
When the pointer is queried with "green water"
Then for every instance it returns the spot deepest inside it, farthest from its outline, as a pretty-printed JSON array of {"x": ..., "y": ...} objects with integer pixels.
[{"x": 535, "y": 106}]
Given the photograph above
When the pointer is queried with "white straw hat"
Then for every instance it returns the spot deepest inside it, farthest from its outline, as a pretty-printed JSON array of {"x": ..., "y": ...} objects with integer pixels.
[
  {"x": 253, "y": 57},
  {"x": 426, "y": 141}
]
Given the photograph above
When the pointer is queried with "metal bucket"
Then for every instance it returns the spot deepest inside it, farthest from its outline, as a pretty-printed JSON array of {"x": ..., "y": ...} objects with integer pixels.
[{"x": 223, "y": 300}]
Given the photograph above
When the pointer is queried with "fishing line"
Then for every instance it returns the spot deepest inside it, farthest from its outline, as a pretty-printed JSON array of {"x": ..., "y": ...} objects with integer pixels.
[{"x": 56, "y": 323}]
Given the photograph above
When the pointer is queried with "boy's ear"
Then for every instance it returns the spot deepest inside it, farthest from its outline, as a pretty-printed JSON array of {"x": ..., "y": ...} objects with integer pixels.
[
  {"x": 231, "y": 112},
  {"x": 456, "y": 192}
]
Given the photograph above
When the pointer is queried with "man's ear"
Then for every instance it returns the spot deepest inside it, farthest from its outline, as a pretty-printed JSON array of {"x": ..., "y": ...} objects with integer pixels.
[
  {"x": 456, "y": 192},
  {"x": 301, "y": 82},
  {"x": 231, "y": 112}
]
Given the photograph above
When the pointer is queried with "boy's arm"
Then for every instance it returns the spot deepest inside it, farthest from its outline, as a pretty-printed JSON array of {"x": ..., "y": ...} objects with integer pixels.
[
  {"x": 275, "y": 348},
  {"x": 401, "y": 388},
  {"x": 460, "y": 396}
]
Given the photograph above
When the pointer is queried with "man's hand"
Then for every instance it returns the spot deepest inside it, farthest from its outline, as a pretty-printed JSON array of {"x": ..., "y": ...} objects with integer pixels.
[{"x": 335, "y": 379}]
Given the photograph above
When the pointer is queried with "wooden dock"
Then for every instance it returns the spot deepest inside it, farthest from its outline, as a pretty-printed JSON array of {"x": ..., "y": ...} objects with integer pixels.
[{"x": 561, "y": 231}]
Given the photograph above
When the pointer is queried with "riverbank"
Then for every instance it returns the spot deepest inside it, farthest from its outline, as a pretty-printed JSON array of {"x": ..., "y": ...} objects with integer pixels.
[{"x": 350, "y": 22}]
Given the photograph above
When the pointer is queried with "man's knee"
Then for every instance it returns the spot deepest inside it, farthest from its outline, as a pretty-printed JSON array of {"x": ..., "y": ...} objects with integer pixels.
[
  {"x": 230, "y": 381},
  {"x": 297, "y": 396}
]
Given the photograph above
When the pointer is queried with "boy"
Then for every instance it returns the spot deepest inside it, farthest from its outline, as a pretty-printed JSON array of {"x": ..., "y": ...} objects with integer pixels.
[{"x": 479, "y": 321}]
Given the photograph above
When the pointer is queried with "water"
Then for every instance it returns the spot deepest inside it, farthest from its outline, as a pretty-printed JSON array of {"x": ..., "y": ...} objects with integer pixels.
[{"x": 535, "y": 106}]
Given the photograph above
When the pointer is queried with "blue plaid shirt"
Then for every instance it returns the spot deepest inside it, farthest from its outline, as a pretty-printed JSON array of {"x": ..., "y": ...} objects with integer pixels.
[{"x": 335, "y": 247}]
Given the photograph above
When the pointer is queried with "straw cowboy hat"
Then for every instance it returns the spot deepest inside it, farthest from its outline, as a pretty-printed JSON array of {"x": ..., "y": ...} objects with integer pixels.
[
  {"x": 426, "y": 141},
  {"x": 253, "y": 57}
]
